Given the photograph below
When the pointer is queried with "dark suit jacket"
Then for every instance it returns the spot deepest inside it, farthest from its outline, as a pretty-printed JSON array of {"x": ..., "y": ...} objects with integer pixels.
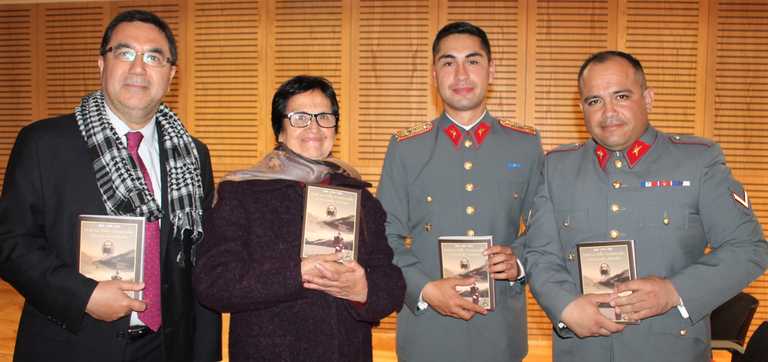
[{"x": 49, "y": 182}]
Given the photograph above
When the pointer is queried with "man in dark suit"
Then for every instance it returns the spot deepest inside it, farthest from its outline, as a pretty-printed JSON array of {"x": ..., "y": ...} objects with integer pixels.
[{"x": 122, "y": 153}]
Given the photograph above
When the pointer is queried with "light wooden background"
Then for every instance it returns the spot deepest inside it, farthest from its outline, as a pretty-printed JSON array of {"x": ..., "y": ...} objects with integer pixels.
[{"x": 708, "y": 61}]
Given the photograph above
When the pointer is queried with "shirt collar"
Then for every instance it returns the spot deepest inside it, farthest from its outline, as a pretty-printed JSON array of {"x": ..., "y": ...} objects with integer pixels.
[
  {"x": 149, "y": 131},
  {"x": 473, "y": 135},
  {"x": 467, "y": 128}
]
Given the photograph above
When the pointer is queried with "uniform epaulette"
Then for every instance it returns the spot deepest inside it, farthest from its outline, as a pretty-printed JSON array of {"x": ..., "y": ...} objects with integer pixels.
[
  {"x": 519, "y": 127},
  {"x": 566, "y": 148},
  {"x": 690, "y": 140},
  {"x": 414, "y": 131}
]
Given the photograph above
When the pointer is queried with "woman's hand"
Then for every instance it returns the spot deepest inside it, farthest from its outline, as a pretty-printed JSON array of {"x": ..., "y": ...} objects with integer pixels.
[
  {"x": 342, "y": 280},
  {"x": 308, "y": 264}
]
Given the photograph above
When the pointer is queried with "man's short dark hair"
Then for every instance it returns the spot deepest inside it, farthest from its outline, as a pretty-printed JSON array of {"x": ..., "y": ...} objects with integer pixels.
[
  {"x": 297, "y": 85},
  {"x": 142, "y": 16},
  {"x": 604, "y": 56},
  {"x": 461, "y": 27}
]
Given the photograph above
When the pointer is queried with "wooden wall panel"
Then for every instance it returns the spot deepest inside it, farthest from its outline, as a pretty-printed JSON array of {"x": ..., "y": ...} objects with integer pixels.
[
  {"x": 392, "y": 74},
  {"x": 71, "y": 37},
  {"x": 225, "y": 63},
  {"x": 16, "y": 75},
  {"x": 738, "y": 105},
  {"x": 664, "y": 35},
  {"x": 561, "y": 34},
  {"x": 740, "y": 94},
  {"x": 504, "y": 22},
  {"x": 306, "y": 38}
]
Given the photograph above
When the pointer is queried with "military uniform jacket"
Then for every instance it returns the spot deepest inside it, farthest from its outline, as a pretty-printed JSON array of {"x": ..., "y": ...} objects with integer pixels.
[
  {"x": 448, "y": 181},
  {"x": 672, "y": 195}
]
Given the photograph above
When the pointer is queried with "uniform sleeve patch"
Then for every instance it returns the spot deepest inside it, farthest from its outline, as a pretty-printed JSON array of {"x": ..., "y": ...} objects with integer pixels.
[
  {"x": 413, "y": 131},
  {"x": 518, "y": 127}
]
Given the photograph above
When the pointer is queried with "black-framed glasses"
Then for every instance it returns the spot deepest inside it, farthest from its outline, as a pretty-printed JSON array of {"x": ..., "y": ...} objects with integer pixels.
[
  {"x": 303, "y": 119},
  {"x": 150, "y": 58}
]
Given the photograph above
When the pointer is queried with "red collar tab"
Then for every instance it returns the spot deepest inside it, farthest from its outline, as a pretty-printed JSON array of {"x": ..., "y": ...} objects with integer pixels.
[
  {"x": 602, "y": 156},
  {"x": 481, "y": 131},
  {"x": 453, "y": 133},
  {"x": 636, "y": 152}
]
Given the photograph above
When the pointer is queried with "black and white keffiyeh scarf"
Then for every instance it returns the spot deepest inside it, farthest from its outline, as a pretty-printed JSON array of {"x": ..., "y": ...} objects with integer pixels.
[{"x": 121, "y": 183}]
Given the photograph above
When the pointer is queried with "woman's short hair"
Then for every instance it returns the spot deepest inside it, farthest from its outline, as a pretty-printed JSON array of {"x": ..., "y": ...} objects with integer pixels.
[{"x": 297, "y": 85}]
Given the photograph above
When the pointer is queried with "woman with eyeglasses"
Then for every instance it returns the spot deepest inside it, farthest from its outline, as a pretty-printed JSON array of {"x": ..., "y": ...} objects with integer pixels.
[{"x": 284, "y": 307}]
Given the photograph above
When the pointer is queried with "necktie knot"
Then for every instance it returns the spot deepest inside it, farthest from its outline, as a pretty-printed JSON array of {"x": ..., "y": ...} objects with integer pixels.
[{"x": 134, "y": 140}]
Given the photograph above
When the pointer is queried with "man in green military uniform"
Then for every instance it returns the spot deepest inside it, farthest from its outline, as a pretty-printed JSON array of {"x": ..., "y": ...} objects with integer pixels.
[
  {"x": 464, "y": 173},
  {"x": 672, "y": 195}
]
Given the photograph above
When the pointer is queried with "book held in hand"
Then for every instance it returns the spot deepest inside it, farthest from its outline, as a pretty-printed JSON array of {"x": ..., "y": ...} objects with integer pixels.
[
  {"x": 462, "y": 257},
  {"x": 603, "y": 265},
  {"x": 111, "y": 248}
]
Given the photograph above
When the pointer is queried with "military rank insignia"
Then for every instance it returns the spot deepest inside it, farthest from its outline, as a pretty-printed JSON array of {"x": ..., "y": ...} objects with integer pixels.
[
  {"x": 519, "y": 127},
  {"x": 741, "y": 200},
  {"x": 413, "y": 131}
]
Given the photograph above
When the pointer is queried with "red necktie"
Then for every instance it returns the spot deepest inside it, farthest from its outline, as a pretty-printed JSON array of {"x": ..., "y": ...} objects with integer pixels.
[{"x": 152, "y": 316}]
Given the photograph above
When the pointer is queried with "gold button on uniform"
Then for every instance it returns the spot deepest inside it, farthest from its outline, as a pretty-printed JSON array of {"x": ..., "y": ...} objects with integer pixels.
[
  {"x": 683, "y": 332},
  {"x": 467, "y": 143},
  {"x": 615, "y": 208},
  {"x": 467, "y": 165},
  {"x": 616, "y": 184},
  {"x": 470, "y": 232},
  {"x": 566, "y": 223},
  {"x": 429, "y": 199},
  {"x": 427, "y": 227},
  {"x": 470, "y": 210},
  {"x": 515, "y": 195},
  {"x": 469, "y": 187},
  {"x": 618, "y": 163},
  {"x": 613, "y": 234},
  {"x": 571, "y": 256}
]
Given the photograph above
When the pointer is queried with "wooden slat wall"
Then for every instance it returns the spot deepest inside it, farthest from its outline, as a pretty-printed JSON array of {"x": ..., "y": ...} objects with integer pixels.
[
  {"x": 391, "y": 48},
  {"x": 738, "y": 102},
  {"x": 707, "y": 60},
  {"x": 561, "y": 34},
  {"x": 226, "y": 81},
  {"x": 17, "y": 72},
  {"x": 71, "y": 38},
  {"x": 665, "y": 36}
]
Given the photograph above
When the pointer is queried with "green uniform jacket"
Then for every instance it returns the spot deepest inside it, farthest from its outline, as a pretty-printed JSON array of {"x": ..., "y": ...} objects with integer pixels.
[
  {"x": 427, "y": 184},
  {"x": 673, "y": 201}
]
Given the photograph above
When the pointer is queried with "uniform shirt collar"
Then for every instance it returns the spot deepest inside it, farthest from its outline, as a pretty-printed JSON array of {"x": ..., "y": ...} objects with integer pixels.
[
  {"x": 634, "y": 153},
  {"x": 467, "y": 128},
  {"x": 473, "y": 135},
  {"x": 149, "y": 131}
]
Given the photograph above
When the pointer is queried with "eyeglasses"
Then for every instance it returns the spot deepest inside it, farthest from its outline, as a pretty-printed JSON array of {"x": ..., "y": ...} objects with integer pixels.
[
  {"x": 303, "y": 119},
  {"x": 150, "y": 58}
]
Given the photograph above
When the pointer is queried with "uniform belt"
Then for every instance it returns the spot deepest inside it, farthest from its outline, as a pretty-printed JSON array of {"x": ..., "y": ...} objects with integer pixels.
[{"x": 135, "y": 332}]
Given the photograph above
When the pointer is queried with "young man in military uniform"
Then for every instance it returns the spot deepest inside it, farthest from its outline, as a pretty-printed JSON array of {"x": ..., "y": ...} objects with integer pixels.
[
  {"x": 672, "y": 195},
  {"x": 464, "y": 173}
]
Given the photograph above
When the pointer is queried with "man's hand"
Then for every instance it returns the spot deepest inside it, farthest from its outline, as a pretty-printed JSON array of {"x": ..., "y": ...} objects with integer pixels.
[
  {"x": 342, "y": 280},
  {"x": 502, "y": 262},
  {"x": 584, "y": 319},
  {"x": 442, "y": 297},
  {"x": 109, "y": 301},
  {"x": 650, "y": 297}
]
